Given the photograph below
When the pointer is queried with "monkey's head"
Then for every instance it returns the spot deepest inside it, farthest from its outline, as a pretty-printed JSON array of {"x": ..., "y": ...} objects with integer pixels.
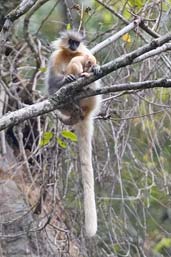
[
  {"x": 90, "y": 61},
  {"x": 71, "y": 40}
]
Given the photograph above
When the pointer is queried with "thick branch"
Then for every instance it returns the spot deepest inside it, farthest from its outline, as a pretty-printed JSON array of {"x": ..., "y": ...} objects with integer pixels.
[
  {"x": 166, "y": 83},
  {"x": 67, "y": 93},
  {"x": 130, "y": 57},
  {"x": 11, "y": 17},
  {"x": 13, "y": 118},
  {"x": 20, "y": 10}
]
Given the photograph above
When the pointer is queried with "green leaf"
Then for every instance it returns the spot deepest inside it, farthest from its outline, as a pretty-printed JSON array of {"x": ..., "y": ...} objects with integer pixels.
[
  {"x": 43, "y": 69},
  {"x": 164, "y": 243},
  {"x": 136, "y": 3},
  {"x": 107, "y": 18},
  {"x": 46, "y": 137},
  {"x": 69, "y": 135},
  {"x": 116, "y": 248},
  {"x": 68, "y": 27},
  {"x": 61, "y": 143}
]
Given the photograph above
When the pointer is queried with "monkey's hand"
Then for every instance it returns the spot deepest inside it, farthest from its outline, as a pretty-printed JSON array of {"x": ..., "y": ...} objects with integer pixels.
[
  {"x": 96, "y": 69},
  {"x": 85, "y": 74},
  {"x": 55, "y": 82},
  {"x": 69, "y": 78}
]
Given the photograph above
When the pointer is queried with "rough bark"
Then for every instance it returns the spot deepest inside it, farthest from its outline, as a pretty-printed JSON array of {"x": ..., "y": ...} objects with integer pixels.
[{"x": 5, "y": 8}]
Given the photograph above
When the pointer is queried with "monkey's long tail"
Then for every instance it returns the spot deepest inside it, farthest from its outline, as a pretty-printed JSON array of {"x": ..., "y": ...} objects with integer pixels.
[{"x": 84, "y": 130}]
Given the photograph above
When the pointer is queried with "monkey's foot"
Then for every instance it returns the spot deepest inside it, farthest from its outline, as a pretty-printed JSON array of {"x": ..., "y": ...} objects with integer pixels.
[{"x": 74, "y": 115}]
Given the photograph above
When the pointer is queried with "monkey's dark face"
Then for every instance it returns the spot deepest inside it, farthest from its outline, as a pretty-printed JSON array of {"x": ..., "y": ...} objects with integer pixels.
[{"x": 73, "y": 44}]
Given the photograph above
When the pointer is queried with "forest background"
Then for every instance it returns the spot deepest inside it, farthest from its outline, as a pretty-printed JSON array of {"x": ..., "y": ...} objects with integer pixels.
[{"x": 41, "y": 205}]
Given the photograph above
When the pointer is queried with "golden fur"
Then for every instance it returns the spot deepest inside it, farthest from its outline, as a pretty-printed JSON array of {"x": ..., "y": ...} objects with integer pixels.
[
  {"x": 64, "y": 62},
  {"x": 81, "y": 65}
]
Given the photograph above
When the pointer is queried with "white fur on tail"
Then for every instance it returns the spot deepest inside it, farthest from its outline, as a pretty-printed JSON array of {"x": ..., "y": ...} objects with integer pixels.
[{"x": 84, "y": 131}]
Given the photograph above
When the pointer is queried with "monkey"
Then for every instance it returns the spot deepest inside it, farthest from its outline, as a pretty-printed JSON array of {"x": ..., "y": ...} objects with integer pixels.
[
  {"x": 81, "y": 65},
  {"x": 61, "y": 71}
]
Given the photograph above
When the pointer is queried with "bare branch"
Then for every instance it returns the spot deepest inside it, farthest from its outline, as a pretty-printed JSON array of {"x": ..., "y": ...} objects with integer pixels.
[
  {"x": 165, "y": 83},
  {"x": 128, "y": 59},
  {"x": 28, "y": 37},
  {"x": 73, "y": 90},
  {"x": 20, "y": 10},
  {"x": 62, "y": 96},
  {"x": 159, "y": 50},
  {"x": 114, "y": 37},
  {"x": 15, "y": 117},
  {"x": 113, "y": 11},
  {"x": 148, "y": 30}
]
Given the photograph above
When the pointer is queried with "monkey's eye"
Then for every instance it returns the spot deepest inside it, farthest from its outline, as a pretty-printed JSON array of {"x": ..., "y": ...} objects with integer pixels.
[{"x": 73, "y": 44}]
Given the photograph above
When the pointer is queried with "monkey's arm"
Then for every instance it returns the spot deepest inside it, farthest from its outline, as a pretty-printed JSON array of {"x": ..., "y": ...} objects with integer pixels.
[
  {"x": 56, "y": 81},
  {"x": 56, "y": 77},
  {"x": 71, "y": 113}
]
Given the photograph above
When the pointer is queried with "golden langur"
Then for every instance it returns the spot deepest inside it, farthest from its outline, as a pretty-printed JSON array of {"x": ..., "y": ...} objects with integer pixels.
[
  {"x": 70, "y": 60},
  {"x": 81, "y": 65}
]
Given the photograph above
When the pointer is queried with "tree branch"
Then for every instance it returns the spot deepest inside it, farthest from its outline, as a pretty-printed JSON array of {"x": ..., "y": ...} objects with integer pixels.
[
  {"x": 154, "y": 52},
  {"x": 129, "y": 58},
  {"x": 24, "y": 6},
  {"x": 166, "y": 83},
  {"x": 114, "y": 37},
  {"x": 20, "y": 10},
  {"x": 13, "y": 118},
  {"x": 73, "y": 90}
]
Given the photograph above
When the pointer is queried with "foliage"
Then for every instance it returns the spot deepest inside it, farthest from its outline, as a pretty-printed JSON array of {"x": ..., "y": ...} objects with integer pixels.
[{"x": 66, "y": 134}]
